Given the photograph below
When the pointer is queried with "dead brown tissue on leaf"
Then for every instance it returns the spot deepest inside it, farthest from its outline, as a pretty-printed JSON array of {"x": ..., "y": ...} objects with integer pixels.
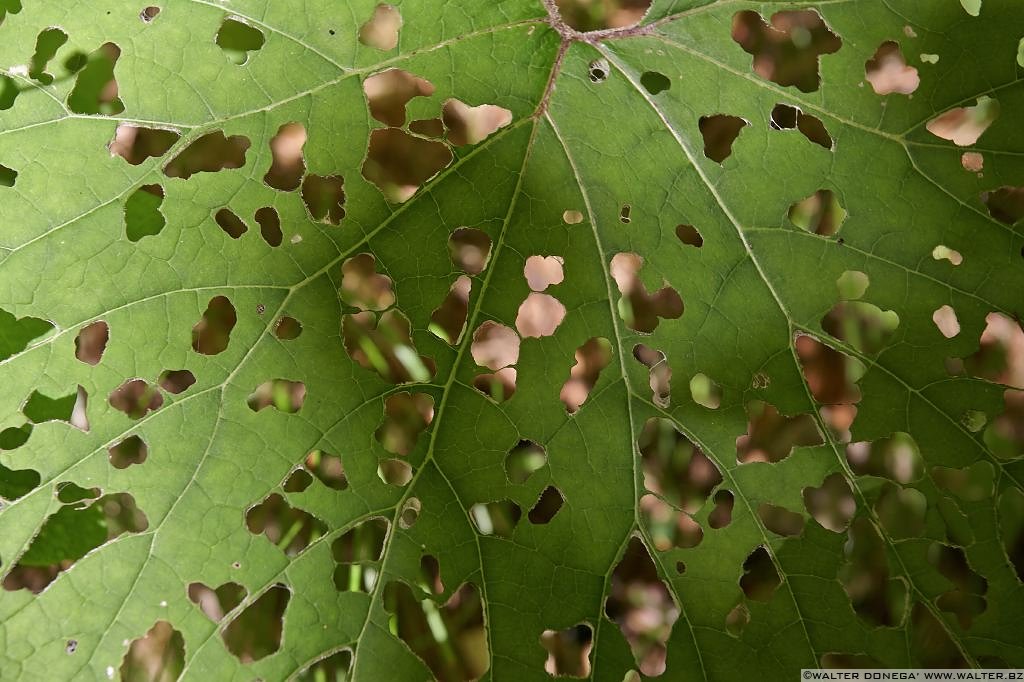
[
  {"x": 257, "y": 631},
  {"x": 135, "y": 144},
  {"x": 643, "y": 608},
  {"x": 157, "y": 656},
  {"x": 212, "y": 333},
  {"x": 786, "y": 50},
  {"x": 450, "y": 638},
  {"x": 210, "y": 153}
]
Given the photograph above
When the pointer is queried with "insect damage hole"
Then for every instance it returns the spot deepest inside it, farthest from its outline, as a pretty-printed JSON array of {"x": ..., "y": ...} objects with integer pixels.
[
  {"x": 591, "y": 358},
  {"x": 142, "y": 215},
  {"x": 719, "y": 132},
  {"x": 131, "y": 450},
  {"x": 136, "y": 398},
  {"x": 568, "y": 651},
  {"x": 406, "y": 416},
  {"x": 281, "y": 394},
  {"x": 470, "y": 249},
  {"x": 91, "y": 342},
  {"x": 95, "y": 90},
  {"x": 270, "y": 225},
  {"x": 469, "y": 125},
  {"x": 288, "y": 164},
  {"x": 448, "y": 321},
  {"x": 787, "y": 50},
  {"x": 946, "y": 321},
  {"x": 887, "y": 71},
  {"x": 598, "y": 70},
  {"x": 324, "y": 197},
  {"x": 216, "y": 603},
  {"x": 964, "y": 125},
  {"x": 237, "y": 39},
  {"x": 265, "y": 615},
  {"x": 388, "y": 93},
  {"x": 212, "y": 333},
  {"x": 288, "y": 528},
  {"x": 232, "y": 225},
  {"x": 157, "y": 655},
  {"x": 135, "y": 143},
  {"x": 148, "y": 14},
  {"x": 820, "y": 213},
  {"x": 381, "y": 30}
]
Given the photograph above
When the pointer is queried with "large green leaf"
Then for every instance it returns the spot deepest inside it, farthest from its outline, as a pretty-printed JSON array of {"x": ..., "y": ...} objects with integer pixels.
[{"x": 601, "y": 153}]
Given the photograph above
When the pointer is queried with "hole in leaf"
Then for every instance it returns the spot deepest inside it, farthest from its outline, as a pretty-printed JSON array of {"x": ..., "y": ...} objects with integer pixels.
[
  {"x": 973, "y": 162},
  {"x": 430, "y": 575},
  {"x": 737, "y": 620},
  {"x": 142, "y": 216},
  {"x": 256, "y": 632},
  {"x": 363, "y": 543},
  {"x": 929, "y": 638},
  {"x": 470, "y": 125},
  {"x": 8, "y": 88},
  {"x": 287, "y": 166},
  {"x": 584, "y": 15},
  {"x": 451, "y": 639},
  {"x": 780, "y": 520},
  {"x": 667, "y": 526},
  {"x": 69, "y": 534},
  {"x": 689, "y": 235},
  {"x": 381, "y": 30},
  {"x": 15, "y": 436},
  {"x": 964, "y": 125},
  {"x": 176, "y": 381},
  {"x": 430, "y": 127},
  {"x": 719, "y": 132},
  {"x": 721, "y": 515},
  {"x": 158, "y": 655},
  {"x": 901, "y": 511},
  {"x": 8, "y": 176},
  {"x": 287, "y": 328},
  {"x": 760, "y": 578},
  {"x": 15, "y": 483},
  {"x": 216, "y": 603},
  {"x": 211, "y": 334},
  {"x": 896, "y": 458},
  {"x": 362, "y": 287},
  {"x": 499, "y": 386},
  {"x": 324, "y": 197},
  {"x": 523, "y": 460},
  {"x": 772, "y": 436},
  {"x": 289, "y": 528},
  {"x": 496, "y": 518},
  {"x": 136, "y": 398},
  {"x": 946, "y": 322},
  {"x": 830, "y": 375},
  {"x": 327, "y": 468},
  {"x": 1011, "y": 528},
  {"x": 406, "y": 416},
  {"x": 333, "y": 668},
  {"x": 95, "y": 90},
  {"x": 832, "y": 504},
  {"x": 448, "y": 321},
  {"x": 211, "y": 153},
  {"x": 568, "y": 651},
  {"x": 69, "y": 492},
  {"x": 234, "y": 226},
  {"x": 654, "y": 82},
  {"x": 942, "y": 252},
  {"x": 1005, "y": 204},
  {"x": 591, "y": 358},
  {"x": 852, "y": 284},
  {"x": 238, "y": 39},
  {"x": 820, "y": 213},
  {"x": 624, "y": 214},
  {"x": 131, "y": 450},
  {"x": 470, "y": 249},
  {"x": 660, "y": 373},
  {"x": 861, "y": 325},
  {"x": 549, "y": 504},
  {"x": 887, "y": 71},
  {"x": 395, "y": 472},
  {"x": 787, "y": 50},
  {"x": 495, "y": 346},
  {"x": 135, "y": 144},
  {"x": 973, "y": 484},
  {"x": 543, "y": 271},
  {"x": 91, "y": 342},
  {"x": 16, "y": 333},
  {"x": 675, "y": 468},
  {"x": 705, "y": 392},
  {"x": 966, "y": 599},
  {"x": 297, "y": 481},
  {"x": 410, "y": 513},
  {"x": 71, "y": 408},
  {"x": 150, "y": 13},
  {"x": 539, "y": 315},
  {"x": 643, "y": 608},
  {"x": 389, "y": 91},
  {"x": 281, "y": 394},
  {"x": 385, "y": 346},
  {"x": 640, "y": 310},
  {"x": 270, "y": 225},
  {"x": 399, "y": 163},
  {"x": 47, "y": 43},
  {"x": 599, "y": 70},
  {"x": 1000, "y": 354},
  {"x": 876, "y": 598}
]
